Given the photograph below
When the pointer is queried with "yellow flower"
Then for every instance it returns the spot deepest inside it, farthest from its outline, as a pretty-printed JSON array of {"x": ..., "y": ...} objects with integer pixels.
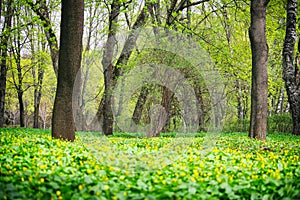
[
  {"x": 42, "y": 180},
  {"x": 124, "y": 194},
  {"x": 106, "y": 187},
  {"x": 80, "y": 187},
  {"x": 122, "y": 178},
  {"x": 58, "y": 193}
]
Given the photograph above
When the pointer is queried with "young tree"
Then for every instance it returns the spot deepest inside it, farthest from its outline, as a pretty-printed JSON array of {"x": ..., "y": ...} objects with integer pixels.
[
  {"x": 290, "y": 71},
  {"x": 109, "y": 68},
  {"x": 259, "y": 90},
  {"x": 63, "y": 125}
]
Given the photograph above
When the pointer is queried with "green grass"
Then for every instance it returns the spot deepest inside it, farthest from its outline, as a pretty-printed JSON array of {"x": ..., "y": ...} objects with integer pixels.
[{"x": 223, "y": 166}]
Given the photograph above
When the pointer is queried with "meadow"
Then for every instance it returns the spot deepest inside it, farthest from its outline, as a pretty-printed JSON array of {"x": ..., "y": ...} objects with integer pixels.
[{"x": 124, "y": 166}]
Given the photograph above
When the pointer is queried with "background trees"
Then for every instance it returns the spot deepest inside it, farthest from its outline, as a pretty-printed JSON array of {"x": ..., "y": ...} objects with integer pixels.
[{"x": 221, "y": 27}]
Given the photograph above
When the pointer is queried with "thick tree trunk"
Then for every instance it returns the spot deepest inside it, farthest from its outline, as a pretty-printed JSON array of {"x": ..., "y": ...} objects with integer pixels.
[
  {"x": 259, "y": 90},
  {"x": 63, "y": 125},
  {"x": 290, "y": 73},
  {"x": 3, "y": 65}
]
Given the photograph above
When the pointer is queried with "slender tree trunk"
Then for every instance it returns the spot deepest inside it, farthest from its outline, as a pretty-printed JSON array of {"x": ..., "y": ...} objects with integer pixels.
[
  {"x": 240, "y": 101},
  {"x": 3, "y": 64},
  {"x": 279, "y": 106},
  {"x": 37, "y": 97},
  {"x": 109, "y": 68},
  {"x": 290, "y": 73},
  {"x": 200, "y": 107},
  {"x": 19, "y": 83},
  {"x": 63, "y": 125},
  {"x": 259, "y": 90},
  {"x": 21, "y": 108},
  {"x": 138, "y": 110}
]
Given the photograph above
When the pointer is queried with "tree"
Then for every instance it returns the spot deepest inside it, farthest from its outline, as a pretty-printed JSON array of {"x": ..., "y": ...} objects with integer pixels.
[
  {"x": 109, "y": 68},
  {"x": 259, "y": 90},
  {"x": 4, "y": 38},
  {"x": 42, "y": 11},
  {"x": 290, "y": 71},
  {"x": 63, "y": 125}
]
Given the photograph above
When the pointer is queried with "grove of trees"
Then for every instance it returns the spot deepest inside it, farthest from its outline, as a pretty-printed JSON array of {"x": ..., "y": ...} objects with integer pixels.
[{"x": 60, "y": 66}]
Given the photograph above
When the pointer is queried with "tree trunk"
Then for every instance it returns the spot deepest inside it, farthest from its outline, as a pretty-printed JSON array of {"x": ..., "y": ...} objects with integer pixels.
[
  {"x": 109, "y": 68},
  {"x": 37, "y": 97},
  {"x": 110, "y": 77},
  {"x": 137, "y": 113},
  {"x": 63, "y": 125},
  {"x": 3, "y": 65},
  {"x": 240, "y": 107},
  {"x": 200, "y": 107},
  {"x": 290, "y": 73},
  {"x": 21, "y": 108},
  {"x": 167, "y": 96},
  {"x": 279, "y": 107},
  {"x": 259, "y": 90}
]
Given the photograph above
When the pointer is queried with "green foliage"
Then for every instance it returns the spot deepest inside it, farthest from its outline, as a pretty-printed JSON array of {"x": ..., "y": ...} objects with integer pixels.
[
  {"x": 281, "y": 123},
  {"x": 34, "y": 166}
]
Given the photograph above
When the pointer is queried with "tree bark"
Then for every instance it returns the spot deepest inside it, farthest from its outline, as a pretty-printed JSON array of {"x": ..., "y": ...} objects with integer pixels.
[
  {"x": 259, "y": 90},
  {"x": 290, "y": 72},
  {"x": 70, "y": 53}
]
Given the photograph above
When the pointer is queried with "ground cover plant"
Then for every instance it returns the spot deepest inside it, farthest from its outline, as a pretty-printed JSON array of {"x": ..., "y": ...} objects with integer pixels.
[{"x": 223, "y": 166}]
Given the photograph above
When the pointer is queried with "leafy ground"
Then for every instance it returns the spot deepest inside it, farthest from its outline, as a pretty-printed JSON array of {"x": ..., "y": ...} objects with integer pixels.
[{"x": 225, "y": 166}]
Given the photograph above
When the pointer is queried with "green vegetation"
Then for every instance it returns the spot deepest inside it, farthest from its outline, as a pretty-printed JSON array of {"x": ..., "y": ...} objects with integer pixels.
[{"x": 230, "y": 166}]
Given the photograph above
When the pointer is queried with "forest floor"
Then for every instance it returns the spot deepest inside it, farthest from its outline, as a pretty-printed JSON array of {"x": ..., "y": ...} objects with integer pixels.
[{"x": 201, "y": 166}]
